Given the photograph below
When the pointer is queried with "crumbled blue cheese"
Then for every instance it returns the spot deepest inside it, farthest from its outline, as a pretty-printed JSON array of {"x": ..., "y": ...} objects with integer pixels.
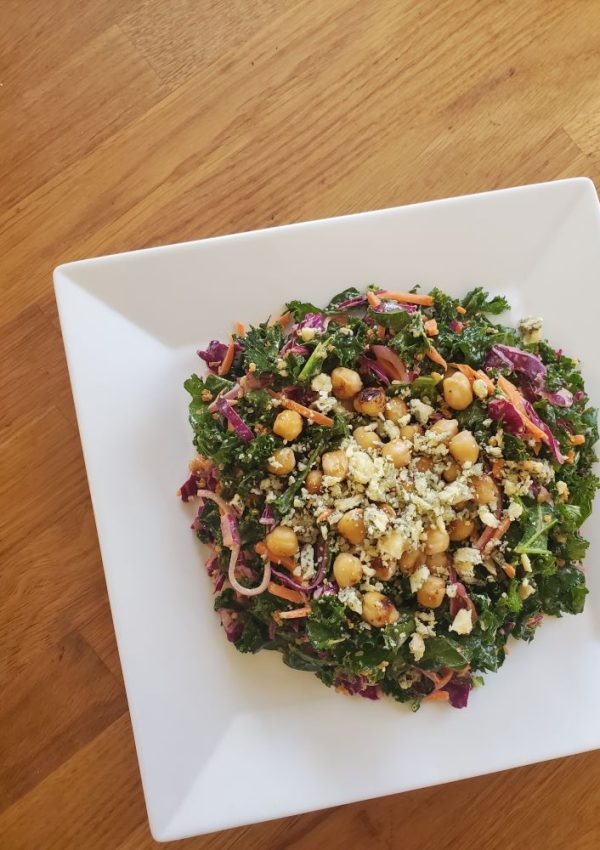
[
  {"x": 420, "y": 410},
  {"x": 531, "y": 329},
  {"x": 418, "y": 578},
  {"x": 515, "y": 509},
  {"x": 463, "y": 622},
  {"x": 307, "y": 334},
  {"x": 417, "y": 646},
  {"x": 525, "y": 589},
  {"x": 451, "y": 590},
  {"x": 487, "y": 517},
  {"x": 465, "y": 561},
  {"x": 360, "y": 467},
  {"x": 321, "y": 384},
  {"x": 425, "y": 623},
  {"x": 351, "y": 598},
  {"x": 307, "y": 561},
  {"x": 376, "y": 520},
  {"x": 391, "y": 429},
  {"x": 526, "y": 563}
]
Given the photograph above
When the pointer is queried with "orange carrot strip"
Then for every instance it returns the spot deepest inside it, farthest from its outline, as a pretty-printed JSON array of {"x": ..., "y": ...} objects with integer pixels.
[
  {"x": 474, "y": 375},
  {"x": 283, "y": 560},
  {"x": 437, "y": 696},
  {"x": 312, "y": 415},
  {"x": 297, "y": 612},
  {"x": 380, "y": 331},
  {"x": 239, "y": 329},
  {"x": 324, "y": 514},
  {"x": 435, "y": 355},
  {"x": 460, "y": 309},
  {"x": 431, "y": 327},
  {"x": 285, "y": 318},
  {"x": 509, "y": 570},
  {"x": 374, "y": 300},
  {"x": 578, "y": 439},
  {"x": 499, "y": 532},
  {"x": 285, "y": 593},
  {"x": 514, "y": 396},
  {"x": 443, "y": 680},
  {"x": 228, "y": 359},
  {"x": 408, "y": 297},
  {"x": 497, "y": 467},
  {"x": 570, "y": 456}
]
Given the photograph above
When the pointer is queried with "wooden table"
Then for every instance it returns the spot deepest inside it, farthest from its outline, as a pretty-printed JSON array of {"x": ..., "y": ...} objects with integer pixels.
[{"x": 129, "y": 124}]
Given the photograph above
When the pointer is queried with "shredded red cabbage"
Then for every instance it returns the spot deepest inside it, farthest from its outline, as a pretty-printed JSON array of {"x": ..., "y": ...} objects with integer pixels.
[
  {"x": 390, "y": 362},
  {"x": 504, "y": 411},
  {"x": 229, "y": 530},
  {"x": 458, "y": 690},
  {"x": 237, "y": 423},
  {"x": 267, "y": 517},
  {"x": 214, "y": 354},
  {"x": 365, "y": 365},
  {"x": 394, "y": 306},
  {"x": 231, "y": 624},
  {"x": 189, "y": 488},
  {"x": 552, "y": 441},
  {"x": 358, "y": 686},
  {"x": 515, "y": 359}
]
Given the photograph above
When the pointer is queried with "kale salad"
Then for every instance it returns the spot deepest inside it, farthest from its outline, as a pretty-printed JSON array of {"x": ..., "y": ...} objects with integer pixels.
[{"x": 390, "y": 487}]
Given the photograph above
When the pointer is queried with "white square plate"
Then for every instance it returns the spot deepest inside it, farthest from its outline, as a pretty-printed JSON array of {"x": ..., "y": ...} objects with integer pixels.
[{"x": 225, "y": 739}]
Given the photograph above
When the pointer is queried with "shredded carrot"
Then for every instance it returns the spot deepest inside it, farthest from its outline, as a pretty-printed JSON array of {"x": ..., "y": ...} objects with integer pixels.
[
  {"x": 442, "y": 680},
  {"x": 457, "y": 327},
  {"x": 228, "y": 359},
  {"x": 570, "y": 456},
  {"x": 380, "y": 331},
  {"x": 437, "y": 696},
  {"x": 325, "y": 514},
  {"x": 509, "y": 570},
  {"x": 435, "y": 355},
  {"x": 297, "y": 612},
  {"x": 514, "y": 396},
  {"x": 497, "y": 467},
  {"x": 499, "y": 532},
  {"x": 239, "y": 329},
  {"x": 431, "y": 327},
  {"x": 284, "y": 560},
  {"x": 374, "y": 300},
  {"x": 474, "y": 375},
  {"x": 408, "y": 297},
  {"x": 285, "y": 593},
  {"x": 312, "y": 415},
  {"x": 578, "y": 439},
  {"x": 460, "y": 309}
]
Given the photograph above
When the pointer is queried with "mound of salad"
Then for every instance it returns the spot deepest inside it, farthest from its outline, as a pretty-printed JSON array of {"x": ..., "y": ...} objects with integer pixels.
[{"x": 390, "y": 487}]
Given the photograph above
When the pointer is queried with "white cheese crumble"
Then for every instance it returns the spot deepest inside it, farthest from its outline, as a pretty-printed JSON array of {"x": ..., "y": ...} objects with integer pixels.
[
  {"x": 526, "y": 563},
  {"x": 465, "y": 561},
  {"x": 514, "y": 510},
  {"x": 418, "y": 578},
  {"x": 462, "y": 623},
  {"x": 451, "y": 590},
  {"x": 361, "y": 467},
  {"x": 420, "y": 411},
  {"x": 525, "y": 589},
  {"x": 531, "y": 329},
  {"x": 487, "y": 517},
  {"x": 321, "y": 383},
  {"x": 307, "y": 561},
  {"x": 417, "y": 646},
  {"x": 351, "y": 598}
]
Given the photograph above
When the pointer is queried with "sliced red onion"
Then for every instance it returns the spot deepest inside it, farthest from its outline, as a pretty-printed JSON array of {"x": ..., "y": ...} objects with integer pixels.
[
  {"x": 232, "y": 626},
  {"x": 223, "y": 506},
  {"x": 462, "y": 600},
  {"x": 365, "y": 364},
  {"x": 239, "y": 588},
  {"x": 237, "y": 423},
  {"x": 229, "y": 530},
  {"x": 456, "y": 326},
  {"x": 578, "y": 395},
  {"x": 234, "y": 392},
  {"x": 267, "y": 517},
  {"x": 321, "y": 555},
  {"x": 390, "y": 362},
  {"x": 219, "y": 582},
  {"x": 349, "y": 303}
]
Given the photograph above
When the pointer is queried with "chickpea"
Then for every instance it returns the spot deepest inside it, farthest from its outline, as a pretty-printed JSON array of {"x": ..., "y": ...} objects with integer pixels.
[
  {"x": 288, "y": 424},
  {"x": 409, "y": 432},
  {"x": 281, "y": 462},
  {"x": 370, "y": 401},
  {"x": 424, "y": 464},
  {"x": 411, "y": 560},
  {"x": 335, "y": 464},
  {"x": 346, "y": 382},
  {"x": 439, "y": 561},
  {"x": 484, "y": 489},
  {"x": 451, "y": 472},
  {"x": 460, "y": 529},
  {"x": 352, "y": 526},
  {"x": 384, "y": 572},
  {"x": 431, "y": 593},
  {"x": 282, "y": 541},
  {"x": 398, "y": 452},
  {"x": 347, "y": 570},
  {"x": 366, "y": 439},
  {"x": 395, "y": 409},
  {"x": 446, "y": 427},
  {"x": 437, "y": 541},
  {"x": 464, "y": 448},
  {"x": 392, "y": 543},
  {"x": 313, "y": 481},
  {"x": 378, "y": 610},
  {"x": 457, "y": 391}
]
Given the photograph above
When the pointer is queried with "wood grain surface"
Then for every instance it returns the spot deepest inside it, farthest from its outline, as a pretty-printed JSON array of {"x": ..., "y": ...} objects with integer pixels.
[{"x": 129, "y": 123}]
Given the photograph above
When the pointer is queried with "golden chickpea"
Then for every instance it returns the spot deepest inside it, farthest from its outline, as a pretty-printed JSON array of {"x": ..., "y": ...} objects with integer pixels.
[
  {"x": 313, "y": 481},
  {"x": 282, "y": 541},
  {"x": 451, "y": 472},
  {"x": 352, "y": 526},
  {"x": 411, "y": 560},
  {"x": 366, "y": 439},
  {"x": 347, "y": 570},
  {"x": 460, "y": 529},
  {"x": 437, "y": 562},
  {"x": 384, "y": 572},
  {"x": 457, "y": 391},
  {"x": 409, "y": 432},
  {"x": 392, "y": 543},
  {"x": 281, "y": 462},
  {"x": 445, "y": 427},
  {"x": 335, "y": 464},
  {"x": 346, "y": 382},
  {"x": 395, "y": 409},
  {"x": 431, "y": 593},
  {"x": 398, "y": 452},
  {"x": 378, "y": 610},
  {"x": 370, "y": 401},
  {"x": 464, "y": 448},
  {"x": 484, "y": 489},
  {"x": 437, "y": 541},
  {"x": 424, "y": 464},
  {"x": 288, "y": 424}
]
